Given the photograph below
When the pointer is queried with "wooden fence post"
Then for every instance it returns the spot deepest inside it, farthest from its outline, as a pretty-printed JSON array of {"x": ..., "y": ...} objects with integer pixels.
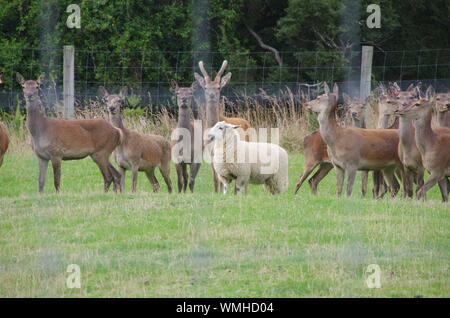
[
  {"x": 69, "y": 81},
  {"x": 366, "y": 72}
]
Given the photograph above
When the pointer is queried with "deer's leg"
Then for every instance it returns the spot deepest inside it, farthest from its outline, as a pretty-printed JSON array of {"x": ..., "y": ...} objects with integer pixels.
[
  {"x": 408, "y": 183},
  {"x": 340, "y": 174},
  {"x": 134, "y": 177},
  {"x": 122, "y": 172},
  {"x": 364, "y": 180},
  {"x": 43, "y": 165},
  {"x": 117, "y": 177},
  {"x": 420, "y": 178},
  {"x": 179, "y": 176},
  {"x": 389, "y": 174},
  {"x": 151, "y": 177},
  {"x": 308, "y": 169},
  {"x": 432, "y": 180},
  {"x": 56, "y": 165},
  {"x": 443, "y": 187},
  {"x": 350, "y": 180},
  {"x": 321, "y": 173},
  {"x": 165, "y": 171},
  {"x": 194, "y": 170}
]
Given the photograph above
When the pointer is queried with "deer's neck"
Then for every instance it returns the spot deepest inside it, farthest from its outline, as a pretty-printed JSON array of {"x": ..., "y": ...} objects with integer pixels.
[
  {"x": 443, "y": 119},
  {"x": 359, "y": 123},
  {"x": 424, "y": 134},
  {"x": 212, "y": 112},
  {"x": 35, "y": 117},
  {"x": 329, "y": 128},
  {"x": 184, "y": 117},
  {"x": 383, "y": 121},
  {"x": 406, "y": 132},
  {"x": 117, "y": 120}
]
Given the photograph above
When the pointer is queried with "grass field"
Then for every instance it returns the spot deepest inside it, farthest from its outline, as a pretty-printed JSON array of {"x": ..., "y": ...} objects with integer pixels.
[{"x": 208, "y": 245}]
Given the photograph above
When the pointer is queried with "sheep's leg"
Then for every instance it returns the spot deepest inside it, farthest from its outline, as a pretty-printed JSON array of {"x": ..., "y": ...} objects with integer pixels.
[
  {"x": 165, "y": 171},
  {"x": 179, "y": 176},
  {"x": 194, "y": 170},
  {"x": 351, "y": 172},
  {"x": 340, "y": 174},
  {"x": 43, "y": 165},
  {"x": 151, "y": 177},
  {"x": 56, "y": 165},
  {"x": 322, "y": 172},
  {"x": 215, "y": 178},
  {"x": 308, "y": 169}
]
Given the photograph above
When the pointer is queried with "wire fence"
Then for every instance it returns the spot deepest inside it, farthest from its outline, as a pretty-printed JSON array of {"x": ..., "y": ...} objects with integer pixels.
[{"x": 147, "y": 73}]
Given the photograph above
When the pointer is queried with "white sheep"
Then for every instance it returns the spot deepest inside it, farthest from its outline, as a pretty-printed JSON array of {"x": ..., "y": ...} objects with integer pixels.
[{"x": 247, "y": 162}]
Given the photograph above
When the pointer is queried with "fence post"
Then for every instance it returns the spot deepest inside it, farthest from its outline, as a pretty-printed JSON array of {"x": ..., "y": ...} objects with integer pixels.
[
  {"x": 69, "y": 81},
  {"x": 366, "y": 71}
]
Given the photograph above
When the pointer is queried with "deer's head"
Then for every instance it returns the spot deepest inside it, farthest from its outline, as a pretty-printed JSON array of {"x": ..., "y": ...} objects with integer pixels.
[
  {"x": 443, "y": 102},
  {"x": 418, "y": 106},
  {"x": 322, "y": 102},
  {"x": 114, "y": 102},
  {"x": 184, "y": 94},
  {"x": 212, "y": 88},
  {"x": 355, "y": 107},
  {"x": 31, "y": 87},
  {"x": 1, "y": 77}
]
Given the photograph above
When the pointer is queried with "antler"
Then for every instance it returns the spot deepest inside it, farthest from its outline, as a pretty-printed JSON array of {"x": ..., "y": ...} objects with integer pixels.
[
  {"x": 202, "y": 69},
  {"x": 222, "y": 69}
]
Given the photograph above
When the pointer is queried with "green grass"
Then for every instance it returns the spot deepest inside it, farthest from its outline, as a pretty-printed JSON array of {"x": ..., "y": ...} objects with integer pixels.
[{"x": 208, "y": 245}]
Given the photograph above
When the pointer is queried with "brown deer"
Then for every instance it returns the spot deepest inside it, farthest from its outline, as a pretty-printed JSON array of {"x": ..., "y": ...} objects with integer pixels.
[
  {"x": 352, "y": 148},
  {"x": 212, "y": 90},
  {"x": 55, "y": 139},
  {"x": 184, "y": 101},
  {"x": 441, "y": 106},
  {"x": 138, "y": 152},
  {"x": 433, "y": 144},
  {"x": 4, "y": 142},
  {"x": 315, "y": 149}
]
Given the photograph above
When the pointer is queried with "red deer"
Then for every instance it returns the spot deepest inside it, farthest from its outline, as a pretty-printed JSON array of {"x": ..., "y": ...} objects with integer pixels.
[
  {"x": 184, "y": 101},
  {"x": 352, "y": 148},
  {"x": 441, "y": 106},
  {"x": 4, "y": 142},
  {"x": 433, "y": 144},
  {"x": 55, "y": 139},
  {"x": 138, "y": 152}
]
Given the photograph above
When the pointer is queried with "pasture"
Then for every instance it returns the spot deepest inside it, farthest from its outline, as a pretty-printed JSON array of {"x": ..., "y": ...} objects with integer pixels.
[{"x": 210, "y": 245}]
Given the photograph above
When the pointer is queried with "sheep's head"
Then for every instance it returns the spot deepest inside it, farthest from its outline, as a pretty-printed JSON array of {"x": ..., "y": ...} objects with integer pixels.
[
  {"x": 212, "y": 88},
  {"x": 114, "y": 102},
  {"x": 220, "y": 130},
  {"x": 322, "y": 102},
  {"x": 184, "y": 94}
]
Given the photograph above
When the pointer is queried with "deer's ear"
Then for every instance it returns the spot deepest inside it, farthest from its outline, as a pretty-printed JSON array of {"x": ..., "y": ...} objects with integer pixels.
[
  {"x": 200, "y": 79},
  {"x": 430, "y": 93},
  {"x": 336, "y": 89},
  {"x": 411, "y": 88},
  {"x": 20, "y": 78},
  {"x": 347, "y": 99},
  {"x": 194, "y": 85},
  {"x": 225, "y": 79},
  {"x": 174, "y": 84},
  {"x": 326, "y": 88},
  {"x": 123, "y": 91},
  {"x": 41, "y": 79},
  {"x": 103, "y": 91}
]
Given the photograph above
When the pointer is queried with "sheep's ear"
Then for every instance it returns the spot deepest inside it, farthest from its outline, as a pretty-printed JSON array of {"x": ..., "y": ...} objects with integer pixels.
[
  {"x": 194, "y": 85},
  {"x": 200, "y": 80},
  {"x": 174, "y": 84},
  {"x": 123, "y": 91},
  {"x": 20, "y": 78},
  {"x": 347, "y": 99},
  {"x": 326, "y": 88},
  {"x": 224, "y": 81},
  {"x": 103, "y": 91},
  {"x": 336, "y": 89}
]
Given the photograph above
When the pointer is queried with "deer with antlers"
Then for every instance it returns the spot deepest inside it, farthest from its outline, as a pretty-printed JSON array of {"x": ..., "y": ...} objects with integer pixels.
[
  {"x": 55, "y": 139},
  {"x": 212, "y": 89}
]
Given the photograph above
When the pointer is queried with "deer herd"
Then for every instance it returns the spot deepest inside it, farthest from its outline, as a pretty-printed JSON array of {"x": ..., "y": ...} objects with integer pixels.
[{"x": 398, "y": 154}]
